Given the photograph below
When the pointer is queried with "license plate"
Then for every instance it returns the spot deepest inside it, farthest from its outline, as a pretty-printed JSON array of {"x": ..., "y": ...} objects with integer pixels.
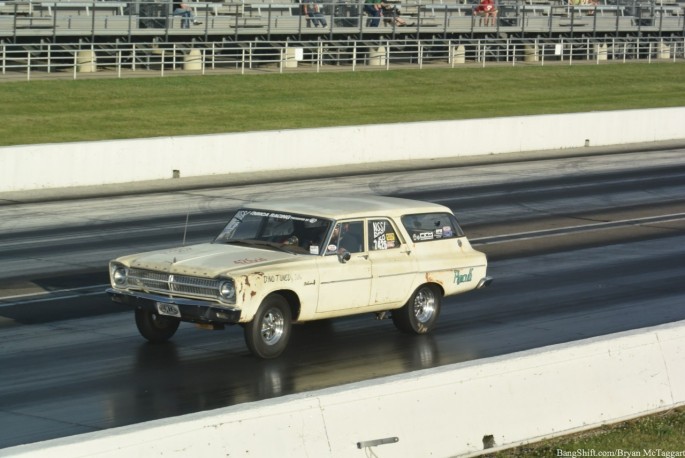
[{"x": 168, "y": 309}]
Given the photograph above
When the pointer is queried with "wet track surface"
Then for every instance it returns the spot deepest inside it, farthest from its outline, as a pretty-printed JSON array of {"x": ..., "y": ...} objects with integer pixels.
[{"x": 579, "y": 247}]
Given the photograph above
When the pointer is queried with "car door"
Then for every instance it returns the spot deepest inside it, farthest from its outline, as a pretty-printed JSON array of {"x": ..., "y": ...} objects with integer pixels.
[
  {"x": 344, "y": 269},
  {"x": 392, "y": 265}
]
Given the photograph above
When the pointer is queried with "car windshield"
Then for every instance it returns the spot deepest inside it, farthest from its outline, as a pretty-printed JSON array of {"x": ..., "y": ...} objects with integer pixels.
[{"x": 285, "y": 231}]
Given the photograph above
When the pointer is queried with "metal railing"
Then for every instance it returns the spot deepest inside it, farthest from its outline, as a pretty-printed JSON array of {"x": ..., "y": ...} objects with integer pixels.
[{"x": 78, "y": 60}]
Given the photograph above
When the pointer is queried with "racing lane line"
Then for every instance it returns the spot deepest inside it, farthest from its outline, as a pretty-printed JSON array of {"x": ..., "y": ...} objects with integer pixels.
[
  {"x": 55, "y": 294},
  {"x": 100, "y": 235},
  {"x": 556, "y": 188},
  {"x": 577, "y": 229}
]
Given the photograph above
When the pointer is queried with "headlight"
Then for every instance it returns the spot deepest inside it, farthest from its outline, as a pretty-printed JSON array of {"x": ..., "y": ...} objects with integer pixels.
[
  {"x": 119, "y": 275},
  {"x": 227, "y": 291}
]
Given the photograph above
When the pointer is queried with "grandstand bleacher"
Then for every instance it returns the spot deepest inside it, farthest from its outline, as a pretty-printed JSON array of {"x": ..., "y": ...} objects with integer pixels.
[
  {"x": 48, "y": 35},
  {"x": 440, "y": 18}
]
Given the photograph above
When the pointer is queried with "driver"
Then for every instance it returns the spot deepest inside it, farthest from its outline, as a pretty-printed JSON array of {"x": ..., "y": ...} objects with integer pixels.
[{"x": 346, "y": 240}]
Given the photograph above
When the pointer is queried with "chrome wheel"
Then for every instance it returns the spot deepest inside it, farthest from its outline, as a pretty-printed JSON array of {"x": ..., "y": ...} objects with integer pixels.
[
  {"x": 420, "y": 313},
  {"x": 424, "y": 305},
  {"x": 273, "y": 325},
  {"x": 268, "y": 333}
]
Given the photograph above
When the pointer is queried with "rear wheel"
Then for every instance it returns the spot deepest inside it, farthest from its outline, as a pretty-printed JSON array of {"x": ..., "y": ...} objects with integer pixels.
[
  {"x": 420, "y": 313},
  {"x": 268, "y": 333},
  {"x": 155, "y": 328}
]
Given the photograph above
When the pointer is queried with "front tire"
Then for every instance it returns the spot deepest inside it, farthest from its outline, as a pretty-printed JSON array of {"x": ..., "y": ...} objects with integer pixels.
[
  {"x": 155, "y": 328},
  {"x": 268, "y": 333},
  {"x": 420, "y": 313}
]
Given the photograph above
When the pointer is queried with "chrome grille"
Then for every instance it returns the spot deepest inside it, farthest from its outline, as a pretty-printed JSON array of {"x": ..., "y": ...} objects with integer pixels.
[{"x": 173, "y": 284}]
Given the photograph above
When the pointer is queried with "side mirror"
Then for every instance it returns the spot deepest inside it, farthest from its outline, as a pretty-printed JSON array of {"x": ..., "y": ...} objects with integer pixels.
[{"x": 344, "y": 257}]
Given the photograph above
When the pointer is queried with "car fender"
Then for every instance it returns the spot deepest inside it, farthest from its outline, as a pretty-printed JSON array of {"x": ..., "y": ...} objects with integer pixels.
[{"x": 252, "y": 288}]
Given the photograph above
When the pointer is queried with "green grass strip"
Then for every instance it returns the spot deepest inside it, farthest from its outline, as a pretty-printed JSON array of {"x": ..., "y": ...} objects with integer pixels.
[
  {"x": 50, "y": 111},
  {"x": 660, "y": 435}
]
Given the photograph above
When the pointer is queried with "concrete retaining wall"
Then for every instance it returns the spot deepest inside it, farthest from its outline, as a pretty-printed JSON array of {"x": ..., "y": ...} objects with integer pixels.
[
  {"x": 64, "y": 165},
  {"x": 447, "y": 411}
]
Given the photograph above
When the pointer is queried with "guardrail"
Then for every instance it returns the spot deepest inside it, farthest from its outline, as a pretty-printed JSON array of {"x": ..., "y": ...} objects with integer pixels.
[
  {"x": 465, "y": 409},
  {"x": 239, "y": 19},
  {"x": 45, "y": 167},
  {"x": 78, "y": 60}
]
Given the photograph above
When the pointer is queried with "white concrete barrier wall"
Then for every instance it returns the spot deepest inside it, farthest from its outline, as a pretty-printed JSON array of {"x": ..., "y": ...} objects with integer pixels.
[
  {"x": 442, "y": 412},
  {"x": 109, "y": 162}
]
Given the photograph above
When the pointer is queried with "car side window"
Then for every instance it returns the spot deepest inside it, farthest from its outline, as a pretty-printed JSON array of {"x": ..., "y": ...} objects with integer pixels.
[
  {"x": 347, "y": 236},
  {"x": 431, "y": 226},
  {"x": 382, "y": 235}
]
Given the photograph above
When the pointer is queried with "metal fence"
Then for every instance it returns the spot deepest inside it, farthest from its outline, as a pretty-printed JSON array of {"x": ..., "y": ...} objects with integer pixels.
[{"x": 78, "y": 60}]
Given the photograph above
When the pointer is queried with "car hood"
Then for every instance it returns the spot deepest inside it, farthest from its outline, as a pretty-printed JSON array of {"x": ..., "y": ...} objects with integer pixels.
[{"x": 207, "y": 260}]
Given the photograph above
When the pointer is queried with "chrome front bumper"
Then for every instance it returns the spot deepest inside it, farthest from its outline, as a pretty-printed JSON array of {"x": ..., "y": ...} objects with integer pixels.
[{"x": 193, "y": 311}]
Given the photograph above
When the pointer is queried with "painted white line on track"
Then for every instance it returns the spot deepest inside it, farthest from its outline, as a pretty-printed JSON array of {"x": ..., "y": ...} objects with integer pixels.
[
  {"x": 54, "y": 295},
  {"x": 48, "y": 296},
  {"x": 579, "y": 228}
]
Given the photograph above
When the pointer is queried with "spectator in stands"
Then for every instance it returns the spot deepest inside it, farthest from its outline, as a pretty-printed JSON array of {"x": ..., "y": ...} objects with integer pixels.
[
  {"x": 374, "y": 9},
  {"x": 391, "y": 15},
  {"x": 486, "y": 9},
  {"x": 314, "y": 15},
  {"x": 183, "y": 10},
  {"x": 593, "y": 3}
]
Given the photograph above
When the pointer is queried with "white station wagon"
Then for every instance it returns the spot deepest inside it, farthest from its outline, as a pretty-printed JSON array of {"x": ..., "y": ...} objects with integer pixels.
[{"x": 286, "y": 261}]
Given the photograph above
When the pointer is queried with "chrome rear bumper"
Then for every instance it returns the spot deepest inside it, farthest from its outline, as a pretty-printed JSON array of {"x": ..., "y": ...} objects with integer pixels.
[{"x": 485, "y": 281}]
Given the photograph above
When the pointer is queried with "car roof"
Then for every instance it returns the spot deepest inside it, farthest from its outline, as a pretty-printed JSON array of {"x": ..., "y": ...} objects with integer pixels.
[{"x": 347, "y": 207}]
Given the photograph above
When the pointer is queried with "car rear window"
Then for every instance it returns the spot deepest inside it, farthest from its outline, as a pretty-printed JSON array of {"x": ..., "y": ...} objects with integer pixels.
[
  {"x": 424, "y": 227},
  {"x": 382, "y": 235}
]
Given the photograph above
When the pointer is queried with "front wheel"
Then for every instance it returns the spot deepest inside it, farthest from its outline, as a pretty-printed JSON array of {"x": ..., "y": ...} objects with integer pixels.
[
  {"x": 420, "y": 313},
  {"x": 155, "y": 328},
  {"x": 268, "y": 333}
]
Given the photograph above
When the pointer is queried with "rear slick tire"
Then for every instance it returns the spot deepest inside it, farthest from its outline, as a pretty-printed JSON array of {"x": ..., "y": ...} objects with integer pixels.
[
  {"x": 420, "y": 313},
  {"x": 268, "y": 333},
  {"x": 154, "y": 327}
]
